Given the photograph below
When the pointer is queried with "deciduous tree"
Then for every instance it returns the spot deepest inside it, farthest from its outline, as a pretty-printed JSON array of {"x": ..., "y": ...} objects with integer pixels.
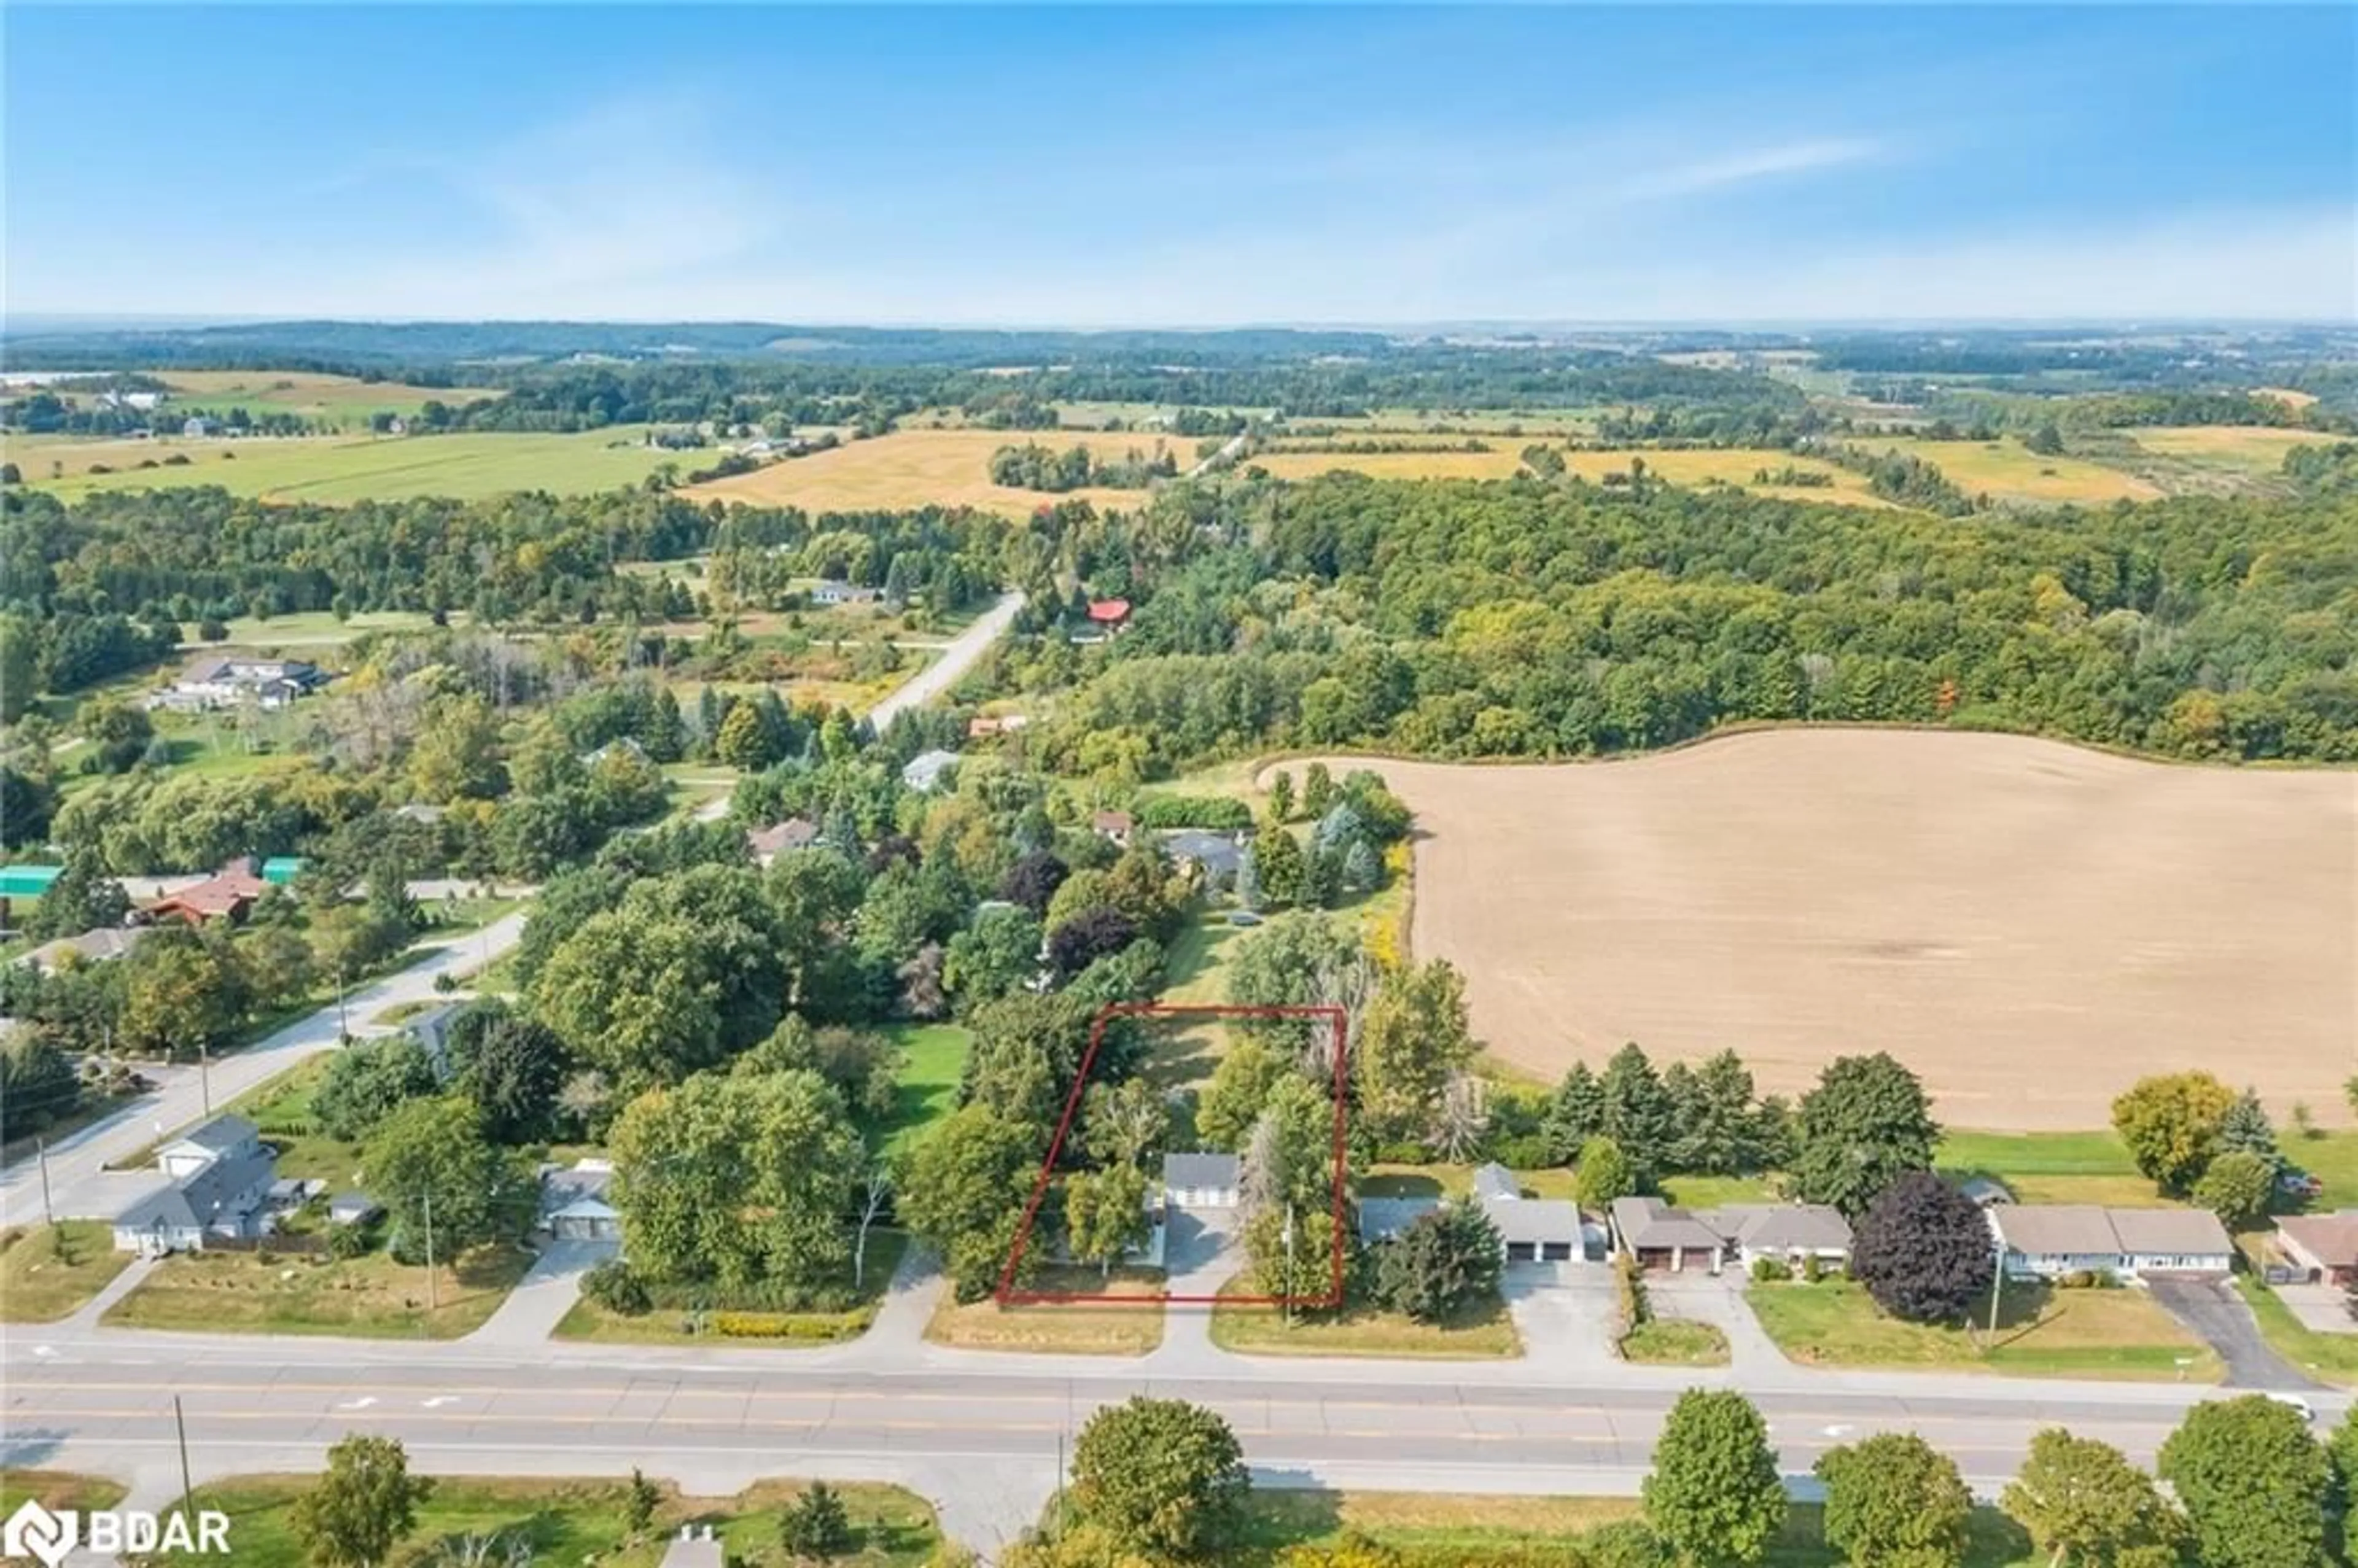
[
  {"x": 433, "y": 1169},
  {"x": 1105, "y": 1214},
  {"x": 963, "y": 1191},
  {"x": 2172, "y": 1123},
  {"x": 359, "y": 1509},
  {"x": 2252, "y": 1481},
  {"x": 1445, "y": 1263},
  {"x": 1603, "y": 1175},
  {"x": 1923, "y": 1251},
  {"x": 1163, "y": 1477},
  {"x": 1894, "y": 1501},
  {"x": 1714, "y": 1495},
  {"x": 2236, "y": 1187}
]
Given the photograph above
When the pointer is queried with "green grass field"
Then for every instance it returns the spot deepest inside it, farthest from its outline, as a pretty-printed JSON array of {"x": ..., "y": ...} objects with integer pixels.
[
  {"x": 1054, "y": 1329},
  {"x": 48, "y": 1271},
  {"x": 342, "y": 469},
  {"x": 58, "y": 1489},
  {"x": 562, "y": 1522},
  {"x": 2009, "y": 471},
  {"x": 2081, "y": 1333},
  {"x": 1675, "y": 1342},
  {"x": 927, "y": 1088}
]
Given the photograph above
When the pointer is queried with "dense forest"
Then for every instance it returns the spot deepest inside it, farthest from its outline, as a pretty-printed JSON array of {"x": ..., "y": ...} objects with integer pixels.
[{"x": 1534, "y": 619}]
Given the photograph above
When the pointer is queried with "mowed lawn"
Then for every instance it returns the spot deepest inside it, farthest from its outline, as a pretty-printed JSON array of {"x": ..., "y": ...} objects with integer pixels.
[
  {"x": 369, "y": 1297},
  {"x": 921, "y": 468},
  {"x": 48, "y": 1271},
  {"x": 2084, "y": 1333},
  {"x": 932, "y": 1062},
  {"x": 566, "y": 1521},
  {"x": 2008, "y": 471},
  {"x": 1485, "y": 1333},
  {"x": 344, "y": 468}
]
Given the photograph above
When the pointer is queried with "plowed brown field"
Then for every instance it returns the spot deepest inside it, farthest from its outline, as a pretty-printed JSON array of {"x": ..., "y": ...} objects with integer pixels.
[{"x": 2028, "y": 926}]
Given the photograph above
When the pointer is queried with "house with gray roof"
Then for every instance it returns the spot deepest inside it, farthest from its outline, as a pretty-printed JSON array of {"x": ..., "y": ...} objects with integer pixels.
[
  {"x": 94, "y": 947},
  {"x": 1788, "y": 1233},
  {"x": 1381, "y": 1219},
  {"x": 222, "y": 1138},
  {"x": 1530, "y": 1230},
  {"x": 226, "y": 1199},
  {"x": 2049, "y": 1241},
  {"x": 1202, "y": 1180},
  {"x": 1216, "y": 857},
  {"x": 1660, "y": 1237},
  {"x": 927, "y": 770},
  {"x": 575, "y": 1204},
  {"x": 768, "y": 843}
]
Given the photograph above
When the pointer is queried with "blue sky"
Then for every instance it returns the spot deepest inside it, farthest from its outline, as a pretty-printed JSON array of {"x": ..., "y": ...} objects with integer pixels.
[{"x": 1187, "y": 167}]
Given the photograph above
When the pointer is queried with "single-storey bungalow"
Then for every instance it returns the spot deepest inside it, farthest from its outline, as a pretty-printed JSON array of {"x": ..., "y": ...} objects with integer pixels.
[
  {"x": 768, "y": 843},
  {"x": 1116, "y": 826},
  {"x": 1109, "y": 613},
  {"x": 2049, "y": 1241},
  {"x": 1660, "y": 1237},
  {"x": 228, "y": 895},
  {"x": 574, "y": 1206},
  {"x": 1381, "y": 1219},
  {"x": 1788, "y": 1233},
  {"x": 927, "y": 769},
  {"x": 215, "y": 681},
  {"x": 1218, "y": 857},
  {"x": 352, "y": 1208},
  {"x": 431, "y": 1029},
  {"x": 2323, "y": 1246},
  {"x": 831, "y": 590},
  {"x": 1202, "y": 1180},
  {"x": 93, "y": 946},
  {"x": 225, "y": 1198},
  {"x": 222, "y": 1138}
]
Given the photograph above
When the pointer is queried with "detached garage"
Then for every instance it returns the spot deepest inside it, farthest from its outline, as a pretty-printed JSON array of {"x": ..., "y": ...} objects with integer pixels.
[
  {"x": 1201, "y": 1181},
  {"x": 573, "y": 1206}
]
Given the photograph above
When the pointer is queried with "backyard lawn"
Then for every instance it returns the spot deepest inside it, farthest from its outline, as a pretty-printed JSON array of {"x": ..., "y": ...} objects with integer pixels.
[
  {"x": 1360, "y": 1331},
  {"x": 1049, "y": 1328},
  {"x": 2083, "y": 1334},
  {"x": 48, "y": 1271},
  {"x": 578, "y": 1521},
  {"x": 371, "y": 1296},
  {"x": 926, "y": 1091}
]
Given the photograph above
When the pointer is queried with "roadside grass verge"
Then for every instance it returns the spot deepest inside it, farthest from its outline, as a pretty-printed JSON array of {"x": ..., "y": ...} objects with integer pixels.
[
  {"x": 370, "y": 1297},
  {"x": 1486, "y": 1334},
  {"x": 56, "y": 1489},
  {"x": 1050, "y": 1329},
  {"x": 695, "y": 1324},
  {"x": 580, "y": 1521},
  {"x": 49, "y": 1271},
  {"x": 1675, "y": 1342},
  {"x": 2041, "y": 1333},
  {"x": 1439, "y": 1529}
]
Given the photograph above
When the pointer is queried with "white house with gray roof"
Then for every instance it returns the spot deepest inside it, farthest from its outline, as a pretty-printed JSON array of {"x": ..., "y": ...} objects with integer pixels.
[
  {"x": 1202, "y": 1180},
  {"x": 222, "y": 1138},
  {"x": 2050, "y": 1241}
]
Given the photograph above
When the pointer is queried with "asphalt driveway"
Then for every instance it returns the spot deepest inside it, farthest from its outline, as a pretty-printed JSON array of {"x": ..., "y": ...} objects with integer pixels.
[{"x": 2212, "y": 1311}]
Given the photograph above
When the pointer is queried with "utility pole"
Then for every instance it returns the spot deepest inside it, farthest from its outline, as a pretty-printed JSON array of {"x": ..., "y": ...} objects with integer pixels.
[
  {"x": 41, "y": 1153},
  {"x": 205, "y": 1074},
  {"x": 431, "y": 1304},
  {"x": 1997, "y": 1283},
  {"x": 180, "y": 1423},
  {"x": 343, "y": 1024},
  {"x": 1286, "y": 1299}
]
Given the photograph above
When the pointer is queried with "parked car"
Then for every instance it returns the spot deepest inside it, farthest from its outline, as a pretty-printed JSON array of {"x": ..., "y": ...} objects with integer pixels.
[{"x": 2300, "y": 1183}]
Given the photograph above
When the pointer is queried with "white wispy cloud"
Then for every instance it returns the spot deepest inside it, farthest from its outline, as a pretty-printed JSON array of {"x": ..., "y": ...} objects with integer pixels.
[{"x": 1748, "y": 166}]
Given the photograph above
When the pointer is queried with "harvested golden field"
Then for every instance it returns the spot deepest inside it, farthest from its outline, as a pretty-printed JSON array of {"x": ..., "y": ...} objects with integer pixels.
[
  {"x": 918, "y": 467},
  {"x": 2246, "y": 449},
  {"x": 2008, "y": 470},
  {"x": 1735, "y": 465},
  {"x": 2028, "y": 926},
  {"x": 2287, "y": 395}
]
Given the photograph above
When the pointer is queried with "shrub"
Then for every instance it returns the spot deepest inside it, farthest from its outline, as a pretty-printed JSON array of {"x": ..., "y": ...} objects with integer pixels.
[
  {"x": 772, "y": 1325},
  {"x": 1813, "y": 1267},
  {"x": 615, "y": 1286},
  {"x": 1770, "y": 1270},
  {"x": 1219, "y": 813}
]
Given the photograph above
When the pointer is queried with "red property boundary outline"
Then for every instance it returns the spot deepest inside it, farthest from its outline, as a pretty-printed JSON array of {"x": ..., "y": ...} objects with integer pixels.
[{"x": 1008, "y": 1295}]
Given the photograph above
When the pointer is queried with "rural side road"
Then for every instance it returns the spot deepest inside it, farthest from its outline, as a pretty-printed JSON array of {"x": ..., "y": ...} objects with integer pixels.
[
  {"x": 958, "y": 655},
  {"x": 80, "y": 1188}
]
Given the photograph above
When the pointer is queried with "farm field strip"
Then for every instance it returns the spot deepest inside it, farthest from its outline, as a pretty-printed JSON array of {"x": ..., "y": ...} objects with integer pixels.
[
  {"x": 921, "y": 468},
  {"x": 342, "y": 469},
  {"x": 1733, "y": 465},
  {"x": 2028, "y": 926}
]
